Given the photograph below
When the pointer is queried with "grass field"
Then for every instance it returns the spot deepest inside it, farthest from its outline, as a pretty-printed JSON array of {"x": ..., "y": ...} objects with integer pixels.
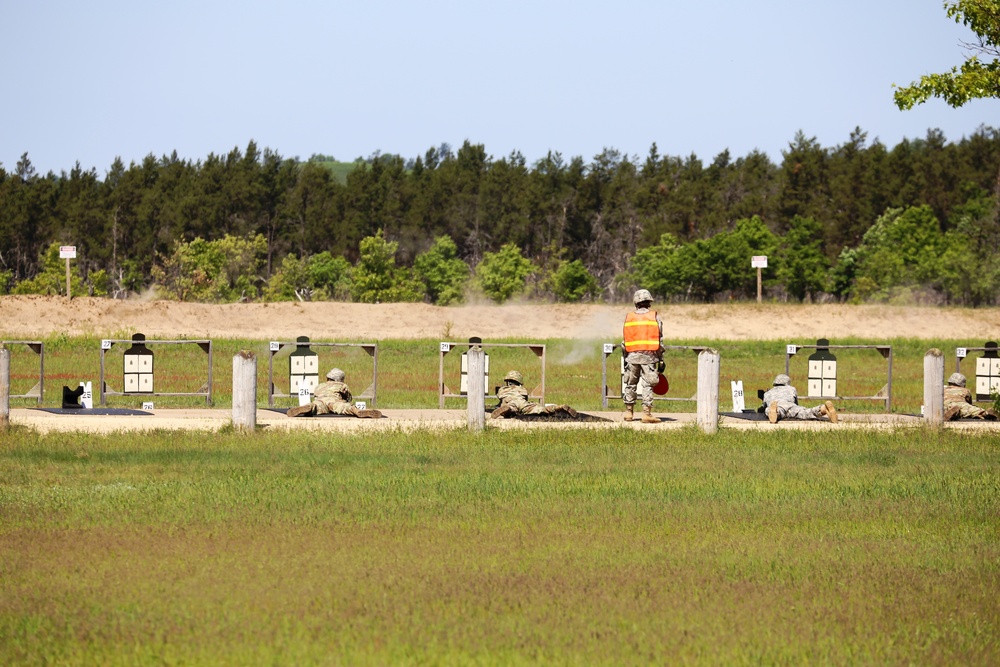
[
  {"x": 408, "y": 371},
  {"x": 558, "y": 547}
]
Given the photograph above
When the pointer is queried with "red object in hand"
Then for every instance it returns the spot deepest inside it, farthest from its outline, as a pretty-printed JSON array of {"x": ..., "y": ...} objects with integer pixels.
[{"x": 662, "y": 386}]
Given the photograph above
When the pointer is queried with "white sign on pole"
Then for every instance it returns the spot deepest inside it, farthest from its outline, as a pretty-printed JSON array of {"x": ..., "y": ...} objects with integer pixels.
[
  {"x": 758, "y": 262},
  {"x": 738, "y": 403},
  {"x": 961, "y": 352},
  {"x": 87, "y": 397},
  {"x": 67, "y": 252},
  {"x": 147, "y": 405},
  {"x": 305, "y": 395}
]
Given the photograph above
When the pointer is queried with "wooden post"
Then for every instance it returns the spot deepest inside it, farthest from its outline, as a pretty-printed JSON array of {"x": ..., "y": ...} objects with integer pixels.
[
  {"x": 245, "y": 391},
  {"x": 477, "y": 388},
  {"x": 4, "y": 387},
  {"x": 67, "y": 278},
  {"x": 934, "y": 388},
  {"x": 758, "y": 286},
  {"x": 708, "y": 391}
]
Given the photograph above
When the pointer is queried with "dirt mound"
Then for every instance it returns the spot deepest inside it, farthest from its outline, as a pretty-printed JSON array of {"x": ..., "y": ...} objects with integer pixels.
[{"x": 27, "y": 317}]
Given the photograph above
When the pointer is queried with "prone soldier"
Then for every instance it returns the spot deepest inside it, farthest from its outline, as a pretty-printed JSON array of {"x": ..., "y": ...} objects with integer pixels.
[
  {"x": 332, "y": 397},
  {"x": 514, "y": 400},
  {"x": 958, "y": 401},
  {"x": 781, "y": 401}
]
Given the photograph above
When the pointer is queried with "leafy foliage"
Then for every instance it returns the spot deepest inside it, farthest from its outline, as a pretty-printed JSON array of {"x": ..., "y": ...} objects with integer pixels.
[
  {"x": 51, "y": 280},
  {"x": 442, "y": 272},
  {"x": 504, "y": 273},
  {"x": 376, "y": 276},
  {"x": 973, "y": 79},
  {"x": 572, "y": 282},
  {"x": 223, "y": 270}
]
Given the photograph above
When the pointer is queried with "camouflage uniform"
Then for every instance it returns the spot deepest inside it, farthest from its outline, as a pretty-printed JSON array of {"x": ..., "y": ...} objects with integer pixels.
[
  {"x": 959, "y": 399},
  {"x": 784, "y": 396},
  {"x": 514, "y": 400},
  {"x": 516, "y": 396},
  {"x": 643, "y": 365},
  {"x": 332, "y": 398}
]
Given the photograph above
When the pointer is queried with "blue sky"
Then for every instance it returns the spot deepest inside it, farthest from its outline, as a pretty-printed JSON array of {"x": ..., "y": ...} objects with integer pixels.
[{"x": 89, "y": 81}]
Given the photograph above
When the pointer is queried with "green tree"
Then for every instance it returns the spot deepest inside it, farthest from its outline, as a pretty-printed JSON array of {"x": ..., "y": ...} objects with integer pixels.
[
  {"x": 572, "y": 282},
  {"x": 51, "y": 280},
  {"x": 377, "y": 279},
  {"x": 223, "y": 270},
  {"x": 901, "y": 250},
  {"x": 330, "y": 276},
  {"x": 504, "y": 273},
  {"x": 442, "y": 272},
  {"x": 973, "y": 79},
  {"x": 800, "y": 264}
]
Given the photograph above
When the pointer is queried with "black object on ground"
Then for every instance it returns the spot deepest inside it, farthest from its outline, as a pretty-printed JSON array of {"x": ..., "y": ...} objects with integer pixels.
[
  {"x": 71, "y": 398},
  {"x": 96, "y": 412}
]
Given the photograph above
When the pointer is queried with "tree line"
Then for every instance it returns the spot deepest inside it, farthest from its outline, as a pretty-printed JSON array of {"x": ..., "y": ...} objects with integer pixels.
[{"x": 919, "y": 221}]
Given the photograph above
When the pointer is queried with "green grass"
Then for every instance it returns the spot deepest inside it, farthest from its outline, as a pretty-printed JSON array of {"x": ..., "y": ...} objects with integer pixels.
[
  {"x": 559, "y": 547},
  {"x": 408, "y": 371}
]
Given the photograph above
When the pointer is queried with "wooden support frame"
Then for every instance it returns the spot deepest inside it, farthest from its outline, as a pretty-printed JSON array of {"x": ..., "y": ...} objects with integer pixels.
[
  {"x": 275, "y": 347},
  {"x": 38, "y": 347},
  {"x": 206, "y": 391},
  {"x": 883, "y": 394},
  {"x": 445, "y": 347},
  {"x": 610, "y": 348}
]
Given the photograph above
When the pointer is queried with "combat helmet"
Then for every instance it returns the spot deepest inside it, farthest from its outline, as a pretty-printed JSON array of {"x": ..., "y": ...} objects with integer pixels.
[
  {"x": 642, "y": 296},
  {"x": 781, "y": 380},
  {"x": 957, "y": 379},
  {"x": 513, "y": 376},
  {"x": 336, "y": 375}
]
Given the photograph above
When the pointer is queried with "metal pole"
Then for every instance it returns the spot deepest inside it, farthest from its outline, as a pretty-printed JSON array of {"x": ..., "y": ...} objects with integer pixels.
[
  {"x": 934, "y": 388},
  {"x": 4, "y": 387},
  {"x": 477, "y": 389},
  {"x": 708, "y": 391},
  {"x": 245, "y": 391}
]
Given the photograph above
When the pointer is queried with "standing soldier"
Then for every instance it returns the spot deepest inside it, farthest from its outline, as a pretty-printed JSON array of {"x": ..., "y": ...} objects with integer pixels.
[
  {"x": 641, "y": 340},
  {"x": 332, "y": 397},
  {"x": 958, "y": 401}
]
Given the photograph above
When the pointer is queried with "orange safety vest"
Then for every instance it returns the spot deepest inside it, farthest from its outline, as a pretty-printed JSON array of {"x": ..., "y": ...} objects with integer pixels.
[{"x": 641, "y": 332}]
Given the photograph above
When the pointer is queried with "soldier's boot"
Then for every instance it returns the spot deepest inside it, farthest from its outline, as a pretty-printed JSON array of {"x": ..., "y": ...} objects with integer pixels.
[
  {"x": 952, "y": 414},
  {"x": 830, "y": 412},
  {"x": 300, "y": 411},
  {"x": 502, "y": 411},
  {"x": 647, "y": 415},
  {"x": 570, "y": 411},
  {"x": 772, "y": 412},
  {"x": 628, "y": 414},
  {"x": 367, "y": 414},
  {"x": 991, "y": 415}
]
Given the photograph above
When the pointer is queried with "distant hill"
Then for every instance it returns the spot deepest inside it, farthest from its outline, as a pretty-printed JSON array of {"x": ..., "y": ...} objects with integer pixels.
[{"x": 339, "y": 170}]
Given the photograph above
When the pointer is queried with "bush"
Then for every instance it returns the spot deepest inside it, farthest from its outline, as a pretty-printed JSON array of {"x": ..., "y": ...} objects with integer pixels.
[
  {"x": 442, "y": 272},
  {"x": 572, "y": 282},
  {"x": 504, "y": 273},
  {"x": 223, "y": 270},
  {"x": 377, "y": 279}
]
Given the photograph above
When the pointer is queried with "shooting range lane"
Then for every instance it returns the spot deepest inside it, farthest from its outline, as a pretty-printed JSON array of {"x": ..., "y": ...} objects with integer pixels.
[{"x": 210, "y": 420}]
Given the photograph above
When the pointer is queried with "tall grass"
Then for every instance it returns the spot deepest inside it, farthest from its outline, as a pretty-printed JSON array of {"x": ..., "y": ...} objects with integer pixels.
[
  {"x": 610, "y": 547},
  {"x": 408, "y": 371}
]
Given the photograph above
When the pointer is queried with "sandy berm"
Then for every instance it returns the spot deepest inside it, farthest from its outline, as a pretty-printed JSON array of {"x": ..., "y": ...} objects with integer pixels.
[{"x": 28, "y": 317}]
